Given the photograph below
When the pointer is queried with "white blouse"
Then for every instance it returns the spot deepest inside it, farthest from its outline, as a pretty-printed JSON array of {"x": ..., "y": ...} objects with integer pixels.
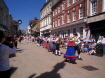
[{"x": 4, "y": 56}]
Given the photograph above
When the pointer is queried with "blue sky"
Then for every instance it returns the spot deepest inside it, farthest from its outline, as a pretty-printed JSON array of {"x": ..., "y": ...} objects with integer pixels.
[{"x": 24, "y": 10}]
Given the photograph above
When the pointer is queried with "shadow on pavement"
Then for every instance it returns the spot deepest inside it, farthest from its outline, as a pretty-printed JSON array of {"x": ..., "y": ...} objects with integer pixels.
[
  {"x": 33, "y": 75},
  {"x": 20, "y": 51},
  {"x": 13, "y": 69},
  {"x": 12, "y": 55},
  {"x": 53, "y": 73}
]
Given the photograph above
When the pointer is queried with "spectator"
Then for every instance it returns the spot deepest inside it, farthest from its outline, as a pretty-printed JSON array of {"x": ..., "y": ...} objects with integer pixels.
[{"x": 4, "y": 57}]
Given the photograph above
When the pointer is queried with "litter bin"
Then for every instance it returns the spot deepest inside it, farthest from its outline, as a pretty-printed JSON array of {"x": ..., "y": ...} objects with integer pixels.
[{"x": 99, "y": 49}]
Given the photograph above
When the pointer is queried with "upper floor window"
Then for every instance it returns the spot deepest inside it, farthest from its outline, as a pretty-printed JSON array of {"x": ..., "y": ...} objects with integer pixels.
[
  {"x": 58, "y": 21},
  {"x": 103, "y": 9},
  {"x": 74, "y": 15},
  {"x": 68, "y": 3},
  {"x": 80, "y": 12},
  {"x": 63, "y": 6},
  {"x": 68, "y": 18},
  {"x": 53, "y": 24},
  {"x": 58, "y": 9},
  {"x": 74, "y": 1},
  {"x": 93, "y": 7},
  {"x": 53, "y": 13},
  {"x": 63, "y": 19}
]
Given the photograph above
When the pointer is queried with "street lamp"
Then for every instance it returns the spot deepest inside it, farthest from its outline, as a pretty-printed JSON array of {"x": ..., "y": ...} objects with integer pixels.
[{"x": 19, "y": 22}]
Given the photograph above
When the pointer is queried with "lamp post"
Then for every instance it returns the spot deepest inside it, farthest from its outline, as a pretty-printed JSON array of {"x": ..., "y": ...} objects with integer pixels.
[{"x": 18, "y": 23}]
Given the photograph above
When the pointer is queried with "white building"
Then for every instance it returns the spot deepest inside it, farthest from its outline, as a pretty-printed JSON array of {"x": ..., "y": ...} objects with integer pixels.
[
  {"x": 46, "y": 18},
  {"x": 28, "y": 30}
]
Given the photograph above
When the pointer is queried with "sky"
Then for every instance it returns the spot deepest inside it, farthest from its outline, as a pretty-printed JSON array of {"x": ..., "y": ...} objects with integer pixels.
[{"x": 24, "y": 10}]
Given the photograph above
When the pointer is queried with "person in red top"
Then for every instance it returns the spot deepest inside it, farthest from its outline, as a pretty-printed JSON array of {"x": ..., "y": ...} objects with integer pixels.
[{"x": 70, "y": 52}]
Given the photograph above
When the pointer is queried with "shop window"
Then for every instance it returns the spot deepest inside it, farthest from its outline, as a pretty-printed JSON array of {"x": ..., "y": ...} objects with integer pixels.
[
  {"x": 81, "y": 32},
  {"x": 74, "y": 30},
  {"x": 69, "y": 32}
]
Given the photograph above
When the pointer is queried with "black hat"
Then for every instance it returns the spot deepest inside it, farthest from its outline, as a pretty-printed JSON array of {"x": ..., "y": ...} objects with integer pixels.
[{"x": 76, "y": 34}]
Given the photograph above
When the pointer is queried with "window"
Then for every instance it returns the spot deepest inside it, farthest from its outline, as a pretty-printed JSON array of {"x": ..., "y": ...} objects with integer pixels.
[
  {"x": 69, "y": 32},
  {"x": 81, "y": 32},
  {"x": 63, "y": 19},
  {"x": 58, "y": 21},
  {"x": 53, "y": 13},
  {"x": 74, "y": 15},
  {"x": 63, "y": 6},
  {"x": 68, "y": 3},
  {"x": 74, "y": 1},
  {"x": 103, "y": 6},
  {"x": 53, "y": 24},
  {"x": 58, "y": 9},
  {"x": 93, "y": 7},
  {"x": 80, "y": 13},
  {"x": 74, "y": 30},
  {"x": 68, "y": 18}
]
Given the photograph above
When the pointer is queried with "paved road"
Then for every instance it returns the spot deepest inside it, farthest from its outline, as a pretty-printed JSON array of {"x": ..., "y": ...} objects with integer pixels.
[{"x": 31, "y": 61}]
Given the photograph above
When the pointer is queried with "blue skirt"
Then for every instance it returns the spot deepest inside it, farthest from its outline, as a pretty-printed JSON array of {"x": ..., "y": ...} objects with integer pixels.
[
  {"x": 70, "y": 53},
  {"x": 53, "y": 47}
]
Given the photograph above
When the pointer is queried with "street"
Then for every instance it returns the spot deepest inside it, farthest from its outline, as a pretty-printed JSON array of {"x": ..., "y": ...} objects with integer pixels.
[{"x": 31, "y": 61}]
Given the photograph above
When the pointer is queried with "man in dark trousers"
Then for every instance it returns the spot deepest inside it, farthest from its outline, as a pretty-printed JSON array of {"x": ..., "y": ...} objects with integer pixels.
[{"x": 77, "y": 48}]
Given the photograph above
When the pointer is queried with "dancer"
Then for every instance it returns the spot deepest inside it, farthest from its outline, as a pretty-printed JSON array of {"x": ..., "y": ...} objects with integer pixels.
[
  {"x": 77, "y": 48},
  {"x": 70, "y": 52},
  {"x": 58, "y": 42}
]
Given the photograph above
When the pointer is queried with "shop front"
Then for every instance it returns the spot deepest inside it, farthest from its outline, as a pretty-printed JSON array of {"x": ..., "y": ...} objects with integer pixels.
[{"x": 97, "y": 25}]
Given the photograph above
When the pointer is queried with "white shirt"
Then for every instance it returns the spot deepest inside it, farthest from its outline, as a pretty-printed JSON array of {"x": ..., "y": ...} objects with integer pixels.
[
  {"x": 103, "y": 41},
  {"x": 4, "y": 56}
]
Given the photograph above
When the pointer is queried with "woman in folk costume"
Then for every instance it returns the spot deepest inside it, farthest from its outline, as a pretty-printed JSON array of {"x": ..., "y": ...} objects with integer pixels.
[
  {"x": 70, "y": 52},
  {"x": 54, "y": 43},
  {"x": 50, "y": 43},
  {"x": 77, "y": 48},
  {"x": 58, "y": 42},
  {"x": 45, "y": 42}
]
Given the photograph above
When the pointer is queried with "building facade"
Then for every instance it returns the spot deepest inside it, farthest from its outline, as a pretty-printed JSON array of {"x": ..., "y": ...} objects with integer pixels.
[
  {"x": 36, "y": 28},
  {"x": 4, "y": 16},
  {"x": 96, "y": 17},
  {"x": 46, "y": 19},
  {"x": 69, "y": 17},
  {"x": 31, "y": 25}
]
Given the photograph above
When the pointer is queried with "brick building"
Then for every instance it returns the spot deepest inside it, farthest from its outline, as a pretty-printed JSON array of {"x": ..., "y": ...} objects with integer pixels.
[
  {"x": 96, "y": 17},
  {"x": 69, "y": 17}
]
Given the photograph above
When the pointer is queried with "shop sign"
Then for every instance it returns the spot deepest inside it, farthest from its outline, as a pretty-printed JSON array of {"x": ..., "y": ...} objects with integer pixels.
[{"x": 96, "y": 18}]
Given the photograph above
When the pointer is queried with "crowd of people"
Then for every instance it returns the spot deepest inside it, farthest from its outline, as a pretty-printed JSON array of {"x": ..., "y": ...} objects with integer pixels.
[{"x": 53, "y": 43}]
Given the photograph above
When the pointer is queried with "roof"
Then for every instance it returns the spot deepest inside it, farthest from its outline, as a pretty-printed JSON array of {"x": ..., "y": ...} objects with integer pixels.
[{"x": 45, "y": 4}]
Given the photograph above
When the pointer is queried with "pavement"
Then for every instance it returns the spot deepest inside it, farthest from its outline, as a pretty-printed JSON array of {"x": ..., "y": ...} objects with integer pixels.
[{"x": 32, "y": 61}]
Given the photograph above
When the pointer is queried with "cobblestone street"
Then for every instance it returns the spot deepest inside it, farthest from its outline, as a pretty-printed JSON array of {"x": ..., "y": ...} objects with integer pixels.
[{"x": 31, "y": 61}]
